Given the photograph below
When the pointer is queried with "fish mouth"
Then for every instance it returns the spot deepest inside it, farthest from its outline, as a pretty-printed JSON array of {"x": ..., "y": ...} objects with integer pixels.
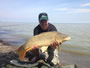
[{"x": 68, "y": 38}]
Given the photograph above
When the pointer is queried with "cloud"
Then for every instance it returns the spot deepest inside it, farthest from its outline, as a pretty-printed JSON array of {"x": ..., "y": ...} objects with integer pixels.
[
  {"x": 85, "y": 5},
  {"x": 79, "y": 10},
  {"x": 73, "y": 10}
]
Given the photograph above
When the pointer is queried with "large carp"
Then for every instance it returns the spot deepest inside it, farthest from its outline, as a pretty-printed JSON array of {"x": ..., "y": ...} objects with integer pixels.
[{"x": 41, "y": 40}]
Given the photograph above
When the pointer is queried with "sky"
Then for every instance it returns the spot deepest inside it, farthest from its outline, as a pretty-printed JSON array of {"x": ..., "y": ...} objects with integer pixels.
[{"x": 59, "y": 11}]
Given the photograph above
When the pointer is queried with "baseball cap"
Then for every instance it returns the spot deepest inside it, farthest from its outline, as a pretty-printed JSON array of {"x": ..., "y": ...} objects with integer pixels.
[{"x": 43, "y": 16}]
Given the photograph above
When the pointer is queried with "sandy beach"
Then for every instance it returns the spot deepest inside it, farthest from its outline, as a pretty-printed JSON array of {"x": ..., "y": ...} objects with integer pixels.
[{"x": 7, "y": 53}]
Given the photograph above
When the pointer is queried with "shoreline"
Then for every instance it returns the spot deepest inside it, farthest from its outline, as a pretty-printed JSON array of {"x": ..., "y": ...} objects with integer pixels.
[{"x": 7, "y": 51}]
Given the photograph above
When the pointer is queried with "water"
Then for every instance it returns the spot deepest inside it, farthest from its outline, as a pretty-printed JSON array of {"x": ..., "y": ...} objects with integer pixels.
[{"x": 79, "y": 33}]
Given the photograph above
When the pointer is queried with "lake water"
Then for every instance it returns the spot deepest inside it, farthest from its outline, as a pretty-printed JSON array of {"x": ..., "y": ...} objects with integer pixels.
[{"x": 79, "y": 33}]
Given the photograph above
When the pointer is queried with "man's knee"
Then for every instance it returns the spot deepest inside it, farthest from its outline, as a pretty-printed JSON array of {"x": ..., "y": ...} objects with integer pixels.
[{"x": 42, "y": 56}]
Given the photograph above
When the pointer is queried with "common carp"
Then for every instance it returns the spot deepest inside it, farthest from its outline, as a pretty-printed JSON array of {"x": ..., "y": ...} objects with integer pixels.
[{"x": 41, "y": 40}]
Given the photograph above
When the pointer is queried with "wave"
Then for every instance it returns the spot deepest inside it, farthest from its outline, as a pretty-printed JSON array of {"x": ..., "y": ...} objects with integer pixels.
[{"x": 75, "y": 49}]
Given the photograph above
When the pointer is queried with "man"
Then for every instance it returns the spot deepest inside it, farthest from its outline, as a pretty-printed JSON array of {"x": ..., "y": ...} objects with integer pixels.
[{"x": 45, "y": 26}]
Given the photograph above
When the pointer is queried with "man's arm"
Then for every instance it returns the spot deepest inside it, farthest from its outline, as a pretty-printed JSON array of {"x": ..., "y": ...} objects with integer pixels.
[
  {"x": 35, "y": 32},
  {"x": 52, "y": 27}
]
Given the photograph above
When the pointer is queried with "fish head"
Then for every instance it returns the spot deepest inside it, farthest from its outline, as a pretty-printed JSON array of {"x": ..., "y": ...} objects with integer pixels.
[{"x": 62, "y": 37}]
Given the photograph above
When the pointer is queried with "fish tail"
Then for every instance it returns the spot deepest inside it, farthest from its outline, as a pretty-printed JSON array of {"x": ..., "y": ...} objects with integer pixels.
[{"x": 21, "y": 52}]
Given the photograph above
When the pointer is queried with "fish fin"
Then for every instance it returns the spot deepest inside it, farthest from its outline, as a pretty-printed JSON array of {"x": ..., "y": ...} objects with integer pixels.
[{"x": 58, "y": 48}]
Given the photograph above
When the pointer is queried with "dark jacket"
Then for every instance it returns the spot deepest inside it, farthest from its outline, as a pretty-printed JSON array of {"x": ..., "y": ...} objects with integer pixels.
[{"x": 38, "y": 30}]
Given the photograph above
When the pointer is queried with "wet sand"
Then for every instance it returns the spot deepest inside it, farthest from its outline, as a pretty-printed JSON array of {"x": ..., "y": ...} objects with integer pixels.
[{"x": 7, "y": 52}]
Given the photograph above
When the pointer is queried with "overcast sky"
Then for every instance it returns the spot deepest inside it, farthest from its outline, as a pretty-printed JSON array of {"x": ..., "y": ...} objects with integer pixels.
[{"x": 59, "y": 11}]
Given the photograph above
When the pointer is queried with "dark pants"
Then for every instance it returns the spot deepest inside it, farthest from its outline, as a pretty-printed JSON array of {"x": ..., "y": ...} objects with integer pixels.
[
  {"x": 30, "y": 55},
  {"x": 50, "y": 55},
  {"x": 42, "y": 56}
]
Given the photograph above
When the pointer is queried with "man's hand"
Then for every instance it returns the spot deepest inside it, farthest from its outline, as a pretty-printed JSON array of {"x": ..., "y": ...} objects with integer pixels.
[
  {"x": 54, "y": 44},
  {"x": 35, "y": 47},
  {"x": 35, "y": 50}
]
